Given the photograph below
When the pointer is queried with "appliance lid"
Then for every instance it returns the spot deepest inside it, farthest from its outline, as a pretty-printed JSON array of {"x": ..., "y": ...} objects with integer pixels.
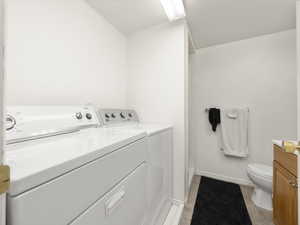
[{"x": 36, "y": 162}]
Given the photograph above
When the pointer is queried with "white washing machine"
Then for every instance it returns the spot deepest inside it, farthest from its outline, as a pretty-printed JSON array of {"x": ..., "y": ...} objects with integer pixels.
[
  {"x": 160, "y": 148},
  {"x": 64, "y": 170}
]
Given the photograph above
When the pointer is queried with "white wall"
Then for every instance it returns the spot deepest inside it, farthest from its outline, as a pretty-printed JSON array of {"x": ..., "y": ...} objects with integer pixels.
[
  {"x": 63, "y": 52},
  {"x": 157, "y": 83},
  {"x": 259, "y": 73}
]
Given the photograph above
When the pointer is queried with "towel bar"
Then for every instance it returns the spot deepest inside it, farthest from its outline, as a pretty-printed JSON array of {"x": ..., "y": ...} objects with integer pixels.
[{"x": 207, "y": 109}]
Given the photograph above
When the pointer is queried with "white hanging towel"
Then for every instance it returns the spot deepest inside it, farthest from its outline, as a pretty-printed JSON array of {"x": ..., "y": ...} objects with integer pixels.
[{"x": 234, "y": 132}]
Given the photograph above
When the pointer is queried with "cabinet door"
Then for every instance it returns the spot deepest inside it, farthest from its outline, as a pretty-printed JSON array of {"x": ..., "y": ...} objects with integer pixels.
[{"x": 284, "y": 196}]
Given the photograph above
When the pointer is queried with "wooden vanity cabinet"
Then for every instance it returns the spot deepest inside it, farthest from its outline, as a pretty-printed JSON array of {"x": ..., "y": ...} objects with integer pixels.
[{"x": 285, "y": 188}]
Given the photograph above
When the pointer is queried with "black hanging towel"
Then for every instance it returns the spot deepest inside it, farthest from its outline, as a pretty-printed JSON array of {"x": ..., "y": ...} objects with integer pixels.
[{"x": 214, "y": 117}]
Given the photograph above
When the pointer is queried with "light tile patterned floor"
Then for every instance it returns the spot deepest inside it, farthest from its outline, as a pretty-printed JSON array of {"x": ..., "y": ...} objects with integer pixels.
[{"x": 258, "y": 216}]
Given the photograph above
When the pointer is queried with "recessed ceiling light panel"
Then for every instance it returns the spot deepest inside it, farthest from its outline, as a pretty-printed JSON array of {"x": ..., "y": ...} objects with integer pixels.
[{"x": 174, "y": 9}]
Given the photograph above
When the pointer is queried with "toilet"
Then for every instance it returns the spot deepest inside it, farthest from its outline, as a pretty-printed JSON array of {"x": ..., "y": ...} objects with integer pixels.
[{"x": 261, "y": 175}]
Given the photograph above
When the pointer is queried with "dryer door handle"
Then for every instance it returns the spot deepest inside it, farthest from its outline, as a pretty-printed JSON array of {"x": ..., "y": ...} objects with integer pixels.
[{"x": 113, "y": 202}]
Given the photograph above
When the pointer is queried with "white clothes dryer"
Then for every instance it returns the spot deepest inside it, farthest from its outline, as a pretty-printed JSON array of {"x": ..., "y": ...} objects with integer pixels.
[{"x": 160, "y": 158}]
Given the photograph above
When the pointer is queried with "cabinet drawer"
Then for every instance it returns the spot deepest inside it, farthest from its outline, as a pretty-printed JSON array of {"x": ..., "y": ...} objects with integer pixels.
[
  {"x": 125, "y": 204},
  {"x": 61, "y": 200},
  {"x": 286, "y": 160}
]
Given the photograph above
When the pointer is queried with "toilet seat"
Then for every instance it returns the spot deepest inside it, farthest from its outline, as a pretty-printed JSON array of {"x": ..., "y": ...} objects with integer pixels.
[{"x": 262, "y": 171}]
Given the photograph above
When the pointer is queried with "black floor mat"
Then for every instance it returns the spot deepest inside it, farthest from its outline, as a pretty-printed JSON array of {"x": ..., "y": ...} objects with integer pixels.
[{"x": 220, "y": 203}]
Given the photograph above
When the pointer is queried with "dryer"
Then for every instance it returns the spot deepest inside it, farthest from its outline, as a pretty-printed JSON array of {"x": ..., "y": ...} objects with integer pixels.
[
  {"x": 160, "y": 158},
  {"x": 65, "y": 169}
]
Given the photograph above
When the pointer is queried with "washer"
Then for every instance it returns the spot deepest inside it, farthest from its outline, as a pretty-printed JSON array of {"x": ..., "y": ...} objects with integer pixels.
[
  {"x": 65, "y": 169},
  {"x": 160, "y": 147}
]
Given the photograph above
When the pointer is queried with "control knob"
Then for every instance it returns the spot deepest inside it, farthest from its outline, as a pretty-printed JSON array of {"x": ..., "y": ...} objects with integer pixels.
[
  {"x": 10, "y": 122},
  {"x": 88, "y": 116},
  {"x": 78, "y": 115},
  {"x": 122, "y": 115}
]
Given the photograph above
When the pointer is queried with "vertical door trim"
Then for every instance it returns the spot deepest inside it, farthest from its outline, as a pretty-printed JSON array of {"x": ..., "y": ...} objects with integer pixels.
[{"x": 2, "y": 104}]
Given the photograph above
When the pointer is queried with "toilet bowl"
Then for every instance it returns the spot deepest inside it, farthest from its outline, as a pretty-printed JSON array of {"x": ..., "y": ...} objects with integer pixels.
[{"x": 261, "y": 176}]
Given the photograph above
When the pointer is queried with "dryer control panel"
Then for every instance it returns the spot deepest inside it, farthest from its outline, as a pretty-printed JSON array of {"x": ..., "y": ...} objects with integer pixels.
[{"x": 113, "y": 116}]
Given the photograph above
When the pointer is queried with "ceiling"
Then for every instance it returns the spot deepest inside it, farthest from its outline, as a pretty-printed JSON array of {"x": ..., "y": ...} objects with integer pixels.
[
  {"x": 215, "y": 22},
  {"x": 211, "y": 22},
  {"x": 129, "y": 16}
]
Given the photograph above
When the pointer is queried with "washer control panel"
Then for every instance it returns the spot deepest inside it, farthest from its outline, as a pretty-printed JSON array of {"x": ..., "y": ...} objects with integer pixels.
[
  {"x": 29, "y": 122},
  {"x": 112, "y": 116}
]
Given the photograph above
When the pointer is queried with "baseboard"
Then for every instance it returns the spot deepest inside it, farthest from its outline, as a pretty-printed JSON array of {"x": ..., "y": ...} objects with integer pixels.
[
  {"x": 177, "y": 202},
  {"x": 224, "y": 178},
  {"x": 175, "y": 214},
  {"x": 191, "y": 175}
]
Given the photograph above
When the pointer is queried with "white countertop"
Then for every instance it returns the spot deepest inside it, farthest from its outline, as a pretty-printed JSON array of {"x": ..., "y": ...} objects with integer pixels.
[
  {"x": 280, "y": 144},
  {"x": 35, "y": 162}
]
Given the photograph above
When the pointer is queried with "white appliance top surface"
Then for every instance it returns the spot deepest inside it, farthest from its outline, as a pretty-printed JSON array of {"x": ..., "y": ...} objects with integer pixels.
[
  {"x": 149, "y": 128},
  {"x": 35, "y": 162}
]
